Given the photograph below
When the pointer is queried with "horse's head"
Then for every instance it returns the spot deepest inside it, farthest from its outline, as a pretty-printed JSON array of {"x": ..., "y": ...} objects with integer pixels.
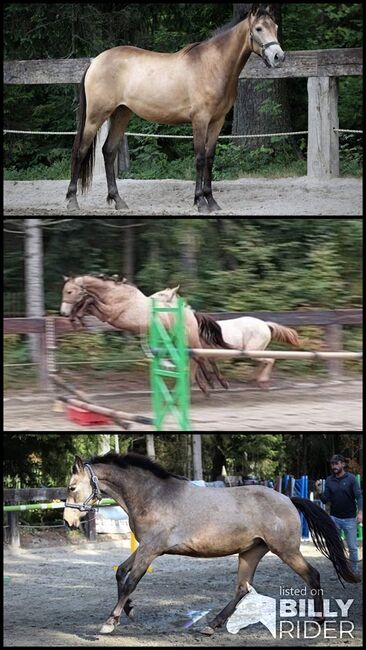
[
  {"x": 82, "y": 493},
  {"x": 167, "y": 295},
  {"x": 263, "y": 35},
  {"x": 72, "y": 294}
]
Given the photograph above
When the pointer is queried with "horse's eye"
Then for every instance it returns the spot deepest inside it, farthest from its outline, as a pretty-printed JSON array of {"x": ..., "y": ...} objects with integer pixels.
[
  {"x": 69, "y": 292},
  {"x": 72, "y": 488},
  {"x": 258, "y": 29}
]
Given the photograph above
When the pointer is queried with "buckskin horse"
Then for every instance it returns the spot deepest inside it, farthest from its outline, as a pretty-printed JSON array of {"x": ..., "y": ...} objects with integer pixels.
[
  {"x": 171, "y": 516},
  {"x": 124, "y": 306},
  {"x": 197, "y": 84}
]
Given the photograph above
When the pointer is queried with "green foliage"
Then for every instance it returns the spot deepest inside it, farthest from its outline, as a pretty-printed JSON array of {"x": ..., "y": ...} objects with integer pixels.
[{"x": 32, "y": 460}]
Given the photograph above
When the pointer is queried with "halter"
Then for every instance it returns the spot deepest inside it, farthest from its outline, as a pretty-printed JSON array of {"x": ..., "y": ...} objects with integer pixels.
[
  {"x": 263, "y": 46},
  {"x": 95, "y": 495}
]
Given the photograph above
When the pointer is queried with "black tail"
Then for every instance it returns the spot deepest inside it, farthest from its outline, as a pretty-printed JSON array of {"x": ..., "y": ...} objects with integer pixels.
[
  {"x": 325, "y": 536},
  {"x": 210, "y": 331},
  {"x": 87, "y": 164}
]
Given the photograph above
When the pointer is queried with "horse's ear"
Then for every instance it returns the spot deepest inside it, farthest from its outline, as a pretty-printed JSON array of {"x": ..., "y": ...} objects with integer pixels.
[
  {"x": 176, "y": 289},
  {"x": 270, "y": 9},
  {"x": 66, "y": 278},
  {"x": 78, "y": 465},
  {"x": 254, "y": 9}
]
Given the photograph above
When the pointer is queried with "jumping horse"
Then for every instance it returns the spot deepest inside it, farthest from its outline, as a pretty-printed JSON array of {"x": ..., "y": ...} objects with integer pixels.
[
  {"x": 127, "y": 308},
  {"x": 197, "y": 84},
  {"x": 171, "y": 516}
]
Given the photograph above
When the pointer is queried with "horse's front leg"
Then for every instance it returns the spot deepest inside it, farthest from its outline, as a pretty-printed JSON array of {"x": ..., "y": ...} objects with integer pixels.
[
  {"x": 199, "y": 125},
  {"x": 121, "y": 575},
  {"x": 212, "y": 135},
  {"x": 143, "y": 558}
]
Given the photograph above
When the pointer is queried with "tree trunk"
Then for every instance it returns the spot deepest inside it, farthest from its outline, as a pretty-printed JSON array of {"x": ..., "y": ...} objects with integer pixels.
[
  {"x": 34, "y": 285},
  {"x": 262, "y": 105},
  {"x": 104, "y": 443},
  {"x": 197, "y": 457},
  {"x": 150, "y": 445}
]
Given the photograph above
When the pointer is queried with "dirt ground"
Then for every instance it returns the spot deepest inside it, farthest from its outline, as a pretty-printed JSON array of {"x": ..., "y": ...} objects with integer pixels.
[
  {"x": 309, "y": 406},
  {"x": 246, "y": 196},
  {"x": 60, "y": 596}
]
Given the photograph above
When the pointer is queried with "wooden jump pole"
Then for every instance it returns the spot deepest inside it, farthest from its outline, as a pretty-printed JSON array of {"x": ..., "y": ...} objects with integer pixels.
[
  {"x": 94, "y": 408},
  {"x": 121, "y": 418},
  {"x": 268, "y": 354}
]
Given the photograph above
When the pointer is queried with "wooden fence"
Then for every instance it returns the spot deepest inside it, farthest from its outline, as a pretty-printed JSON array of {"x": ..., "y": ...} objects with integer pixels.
[
  {"x": 331, "y": 321},
  {"x": 12, "y": 496},
  {"x": 321, "y": 67}
]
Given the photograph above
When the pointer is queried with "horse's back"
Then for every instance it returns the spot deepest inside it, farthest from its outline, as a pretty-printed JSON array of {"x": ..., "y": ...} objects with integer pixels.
[
  {"x": 214, "y": 522},
  {"x": 246, "y": 332}
]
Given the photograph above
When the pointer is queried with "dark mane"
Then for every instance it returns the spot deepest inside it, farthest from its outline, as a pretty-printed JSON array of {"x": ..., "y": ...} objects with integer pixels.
[
  {"x": 261, "y": 11},
  {"x": 216, "y": 32},
  {"x": 134, "y": 460}
]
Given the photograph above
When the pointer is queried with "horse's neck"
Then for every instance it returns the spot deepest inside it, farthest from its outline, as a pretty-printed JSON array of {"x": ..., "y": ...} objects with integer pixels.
[
  {"x": 122, "y": 305},
  {"x": 121, "y": 485},
  {"x": 237, "y": 52},
  {"x": 95, "y": 286}
]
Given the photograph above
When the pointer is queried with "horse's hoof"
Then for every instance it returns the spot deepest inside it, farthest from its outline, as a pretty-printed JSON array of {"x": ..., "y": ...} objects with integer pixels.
[
  {"x": 121, "y": 204},
  {"x": 263, "y": 385},
  {"x": 208, "y": 631},
  {"x": 213, "y": 207},
  {"x": 203, "y": 209},
  {"x": 107, "y": 628},
  {"x": 73, "y": 205}
]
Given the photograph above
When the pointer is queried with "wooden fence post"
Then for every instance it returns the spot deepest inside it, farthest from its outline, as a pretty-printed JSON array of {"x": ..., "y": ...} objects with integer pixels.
[
  {"x": 91, "y": 529},
  {"x": 13, "y": 523},
  {"x": 323, "y": 141},
  {"x": 334, "y": 342}
]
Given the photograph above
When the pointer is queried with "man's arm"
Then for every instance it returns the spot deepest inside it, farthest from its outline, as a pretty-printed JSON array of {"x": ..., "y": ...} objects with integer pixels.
[
  {"x": 358, "y": 496},
  {"x": 323, "y": 496}
]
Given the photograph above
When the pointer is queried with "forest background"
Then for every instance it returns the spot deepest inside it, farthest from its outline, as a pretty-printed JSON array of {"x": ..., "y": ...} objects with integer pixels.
[
  {"x": 34, "y": 459},
  {"x": 72, "y": 30},
  {"x": 220, "y": 264}
]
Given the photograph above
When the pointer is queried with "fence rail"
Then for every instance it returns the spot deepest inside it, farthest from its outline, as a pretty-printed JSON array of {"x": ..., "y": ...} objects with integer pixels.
[
  {"x": 332, "y": 321},
  {"x": 17, "y": 497}
]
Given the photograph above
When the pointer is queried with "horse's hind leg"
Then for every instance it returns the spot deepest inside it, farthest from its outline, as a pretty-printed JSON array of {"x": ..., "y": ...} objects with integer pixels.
[
  {"x": 262, "y": 375},
  {"x": 118, "y": 123},
  {"x": 248, "y": 562},
  {"x": 80, "y": 151},
  {"x": 218, "y": 374},
  {"x": 309, "y": 574}
]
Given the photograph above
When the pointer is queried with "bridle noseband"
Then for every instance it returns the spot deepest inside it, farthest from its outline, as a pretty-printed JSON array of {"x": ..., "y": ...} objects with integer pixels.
[
  {"x": 95, "y": 495},
  {"x": 263, "y": 46}
]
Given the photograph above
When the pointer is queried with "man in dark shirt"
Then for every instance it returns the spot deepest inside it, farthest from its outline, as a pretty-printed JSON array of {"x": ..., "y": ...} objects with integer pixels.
[{"x": 342, "y": 490}]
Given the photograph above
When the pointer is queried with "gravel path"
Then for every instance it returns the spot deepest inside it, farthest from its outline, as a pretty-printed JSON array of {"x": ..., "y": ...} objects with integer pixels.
[
  {"x": 310, "y": 407},
  {"x": 246, "y": 196}
]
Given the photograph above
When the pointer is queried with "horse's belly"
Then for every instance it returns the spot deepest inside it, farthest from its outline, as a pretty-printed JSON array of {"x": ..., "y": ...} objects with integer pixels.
[{"x": 157, "y": 97}]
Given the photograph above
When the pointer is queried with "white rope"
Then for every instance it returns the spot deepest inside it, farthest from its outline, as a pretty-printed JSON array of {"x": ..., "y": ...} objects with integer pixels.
[
  {"x": 160, "y": 135},
  {"x": 180, "y": 137},
  {"x": 347, "y": 131}
]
